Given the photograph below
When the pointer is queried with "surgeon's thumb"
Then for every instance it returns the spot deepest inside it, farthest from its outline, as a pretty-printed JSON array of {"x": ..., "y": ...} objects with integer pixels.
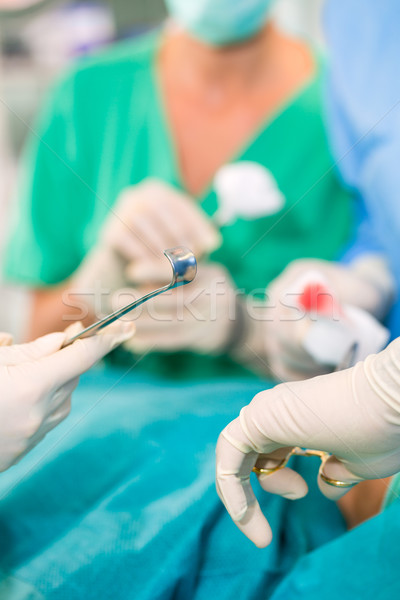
[
  {"x": 80, "y": 356},
  {"x": 21, "y": 353},
  {"x": 335, "y": 479}
]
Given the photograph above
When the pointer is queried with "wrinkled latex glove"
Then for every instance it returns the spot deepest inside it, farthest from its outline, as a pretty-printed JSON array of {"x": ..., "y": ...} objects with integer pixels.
[
  {"x": 147, "y": 219},
  {"x": 353, "y": 414},
  {"x": 36, "y": 383},
  {"x": 200, "y": 316},
  {"x": 300, "y": 344}
]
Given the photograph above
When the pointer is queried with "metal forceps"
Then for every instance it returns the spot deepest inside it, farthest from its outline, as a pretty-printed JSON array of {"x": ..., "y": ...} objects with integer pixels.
[
  {"x": 347, "y": 362},
  {"x": 184, "y": 269}
]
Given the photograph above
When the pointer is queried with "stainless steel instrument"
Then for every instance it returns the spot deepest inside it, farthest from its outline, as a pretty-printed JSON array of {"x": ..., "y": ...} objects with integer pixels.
[{"x": 184, "y": 269}]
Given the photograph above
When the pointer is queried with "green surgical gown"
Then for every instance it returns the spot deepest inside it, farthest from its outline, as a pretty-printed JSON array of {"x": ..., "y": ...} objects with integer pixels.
[{"x": 104, "y": 128}]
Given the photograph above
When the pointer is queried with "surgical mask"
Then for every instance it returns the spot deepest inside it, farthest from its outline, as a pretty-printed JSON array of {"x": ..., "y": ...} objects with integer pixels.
[{"x": 220, "y": 22}]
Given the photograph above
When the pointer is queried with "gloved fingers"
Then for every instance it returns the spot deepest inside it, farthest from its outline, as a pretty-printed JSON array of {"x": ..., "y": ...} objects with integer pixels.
[
  {"x": 160, "y": 228},
  {"x": 280, "y": 371},
  {"x": 73, "y": 329},
  {"x": 255, "y": 526},
  {"x": 206, "y": 239},
  {"x": 6, "y": 339},
  {"x": 283, "y": 368},
  {"x": 52, "y": 402},
  {"x": 301, "y": 269},
  {"x": 157, "y": 325},
  {"x": 273, "y": 361},
  {"x": 159, "y": 312},
  {"x": 233, "y": 469},
  {"x": 118, "y": 328},
  {"x": 308, "y": 371},
  {"x": 74, "y": 360},
  {"x": 127, "y": 295},
  {"x": 294, "y": 350},
  {"x": 160, "y": 217},
  {"x": 171, "y": 308},
  {"x": 162, "y": 324},
  {"x": 163, "y": 305},
  {"x": 121, "y": 298},
  {"x": 48, "y": 409},
  {"x": 131, "y": 244},
  {"x": 287, "y": 359},
  {"x": 149, "y": 271},
  {"x": 172, "y": 338},
  {"x": 177, "y": 229},
  {"x": 335, "y": 470},
  {"x": 22, "y": 353},
  {"x": 150, "y": 232},
  {"x": 170, "y": 331},
  {"x": 30, "y": 446},
  {"x": 198, "y": 231},
  {"x": 283, "y": 482},
  {"x": 374, "y": 269},
  {"x": 304, "y": 369},
  {"x": 55, "y": 418},
  {"x": 15, "y": 459}
]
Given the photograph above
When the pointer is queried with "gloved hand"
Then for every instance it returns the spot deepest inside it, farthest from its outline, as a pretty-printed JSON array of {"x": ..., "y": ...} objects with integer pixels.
[
  {"x": 366, "y": 283},
  {"x": 201, "y": 316},
  {"x": 357, "y": 295},
  {"x": 36, "y": 383},
  {"x": 147, "y": 219},
  {"x": 353, "y": 414}
]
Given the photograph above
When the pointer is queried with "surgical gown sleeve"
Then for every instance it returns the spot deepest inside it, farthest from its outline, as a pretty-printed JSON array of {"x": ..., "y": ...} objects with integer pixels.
[
  {"x": 54, "y": 196},
  {"x": 364, "y": 114}
]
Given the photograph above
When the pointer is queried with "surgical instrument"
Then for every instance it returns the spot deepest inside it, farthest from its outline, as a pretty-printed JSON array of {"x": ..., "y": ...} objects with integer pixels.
[
  {"x": 346, "y": 363},
  {"x": 184, "y": 269}
]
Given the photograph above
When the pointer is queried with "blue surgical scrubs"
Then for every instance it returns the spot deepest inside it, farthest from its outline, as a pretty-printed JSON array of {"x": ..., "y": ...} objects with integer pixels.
[{"x": 363, "y": 99}]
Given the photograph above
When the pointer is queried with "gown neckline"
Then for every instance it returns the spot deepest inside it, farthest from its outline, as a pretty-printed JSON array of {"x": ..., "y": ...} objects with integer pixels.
[{"x": 274, "y": 117}]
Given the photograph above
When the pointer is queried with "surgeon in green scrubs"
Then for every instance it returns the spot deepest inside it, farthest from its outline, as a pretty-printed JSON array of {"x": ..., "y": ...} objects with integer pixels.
[{"x": 205, "y": 112}]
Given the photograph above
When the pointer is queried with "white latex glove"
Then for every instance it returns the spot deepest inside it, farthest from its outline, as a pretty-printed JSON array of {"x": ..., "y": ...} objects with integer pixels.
[
  {"x": 36, "y": 383},
  {"x": 300, "y": 344},
  {"x": 147, "y": 219},
  {"x": 200, "y": 316},
  {"x": 353, "y": 414},
  {"x": 366, "y": 283}
]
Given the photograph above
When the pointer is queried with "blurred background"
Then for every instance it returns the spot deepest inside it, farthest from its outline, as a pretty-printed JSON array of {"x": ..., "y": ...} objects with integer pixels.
[{"x": 38, "y": 42}]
